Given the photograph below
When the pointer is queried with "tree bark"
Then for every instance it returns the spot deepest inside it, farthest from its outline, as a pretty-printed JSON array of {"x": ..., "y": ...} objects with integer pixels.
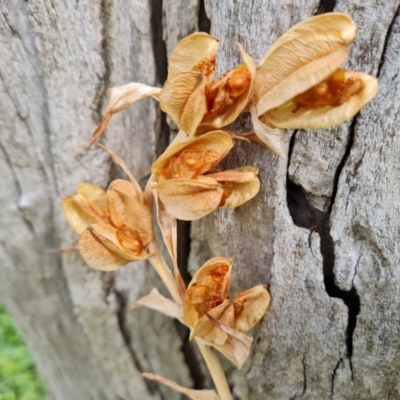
[{"x": 323, "y": 232}]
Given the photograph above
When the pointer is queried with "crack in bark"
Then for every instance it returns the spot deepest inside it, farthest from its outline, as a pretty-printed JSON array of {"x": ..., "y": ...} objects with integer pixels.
[
  {"x": 325, "y": 6},
  {"x": 152, "y": 387},
  {"x": 350, "y": 297},
  {"x": 306, "y": 216},
  {"x": 304, "y": 375},
  {"x": 161, "y": 64},
  {"x": 204, "y": 23},
  {"x": 188, "y": 350},
  {"x": 339, "y": 169},
  {"x": 104, "y": 80},
  {"x": 189, "y": 354},
  {"x": 385, "y": 45},
  {"x": 333, "y": 377},
  {"x": 163, "y": 133},
  {"x": 183, "y": 249}
]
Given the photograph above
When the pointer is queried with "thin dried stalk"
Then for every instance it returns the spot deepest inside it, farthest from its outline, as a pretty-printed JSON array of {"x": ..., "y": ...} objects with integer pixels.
[{"x": 216, "y": 371}]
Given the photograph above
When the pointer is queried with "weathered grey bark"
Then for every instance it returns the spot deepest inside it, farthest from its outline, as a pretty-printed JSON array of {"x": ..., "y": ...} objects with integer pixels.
[{"x": 323, "y": 232}]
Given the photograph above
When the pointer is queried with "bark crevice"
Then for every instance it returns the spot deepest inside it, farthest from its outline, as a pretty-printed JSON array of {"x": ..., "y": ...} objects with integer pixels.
[
  {"x": 162, "y": 128},
  {"x": 204, "y": 22},
  {"x": 308, "y": 217},
  {"x": 183, "y": 247},
  {"x": 333, "y": 377},
  {"x": 189, "y": 354},
  {"x": 385, "y": 45},
  {"x": 346, "y": 155},
  {"x": 105, "y": 54},
  {"x": 325, "y": 6},
  {"x": 122, "y": 308},
  {"x": 303, "y": 362}
]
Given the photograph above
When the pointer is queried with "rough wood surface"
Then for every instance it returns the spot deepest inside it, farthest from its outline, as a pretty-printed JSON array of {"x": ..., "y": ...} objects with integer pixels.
[
  {"x": 326, "y": 238},
  {"x": 323, "y": 232}
]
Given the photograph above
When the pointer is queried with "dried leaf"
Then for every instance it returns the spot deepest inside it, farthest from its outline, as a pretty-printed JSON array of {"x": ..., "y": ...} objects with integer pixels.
[
  {"x": 191, "y": 393},
  {"x": 229, "y": 94},
  {"x": 188, "y": 199},
  {"x": 236, "y": 347},
  {"x": 272, "y": 137},
  {"x": 122, "y": 97},
  {"x": 168, "y": 227},
  {"x": 183, "y": 98},
  {"x": 240, "y": 185},
  {"x": 206, "y": 150},
  {"x": 286, "y": 75},
  {"x": 290, "y": 116},
  {"x": 196, "y": 51},
  {"x": 86, "y": 207},
  {"x": 126, "y": 187},
  {"x": 99, "y": 252},
  {"x": 300, "y": 84},
  {"x": 130, "y": 214},
  {"x": 301, "y": 58},
  {"x": 250, "y": 306},
  {"x": 335, "y": 23},
  {"x": 158, "y": 302},
  {"x": 207, "y": 327},
  {"x": 119, "y": 161}
]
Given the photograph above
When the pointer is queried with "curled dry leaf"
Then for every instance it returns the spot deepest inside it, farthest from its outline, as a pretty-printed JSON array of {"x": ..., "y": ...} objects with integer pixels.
[
  {"x": 188, "y": 199},
  {"x": 239, "y": 185},
  {"x": 271, "y": 137},
  {"x": 182, "y": 97},
  {"x": 234, "y": 345},
  {"x": 122, "y": 97},
  {"x": 191, "y": 393},
  {"x": 158, "y": 302},
  {"x": 195, "y": 101},
  {"x": 300, "y": 82},
  {"x": 168, "y": 227},
  {"x": 186, "y": 185}
]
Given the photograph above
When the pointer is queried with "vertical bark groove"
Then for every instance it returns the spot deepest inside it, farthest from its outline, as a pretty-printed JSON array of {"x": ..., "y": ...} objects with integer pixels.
[
  {"x": 190, "y": 356},
  {"x": 308, "y": 217},
  {"x": 184, "y": 242},
  {"x": 104, "y": 80},
  {"x": 325, "y": 6},
  {"x": 203, "y": 21},
  {"x": 333, "y": 377},
  {"x": 388, "y": 35},
  {"x": 161, "y": 63}
]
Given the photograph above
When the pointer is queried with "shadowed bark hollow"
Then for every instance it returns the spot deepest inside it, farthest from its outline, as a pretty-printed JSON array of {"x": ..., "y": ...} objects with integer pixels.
[{"x": 323, "y": 232}]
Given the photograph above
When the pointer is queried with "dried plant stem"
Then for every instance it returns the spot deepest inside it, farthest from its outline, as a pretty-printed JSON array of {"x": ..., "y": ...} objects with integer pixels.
[
  {"x": 216, "y": 371},
  {"x": 162, "y": 269},
  {"x": 208, "y": 353}
]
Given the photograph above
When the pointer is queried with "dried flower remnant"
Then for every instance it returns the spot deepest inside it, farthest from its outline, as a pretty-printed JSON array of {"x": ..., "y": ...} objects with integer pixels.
[
  {"x": 300, "y": 82},
  {"x": 186, "y": 185},
  {"x": 115, "y": 227},
  {"x": 218, "y": 320},
  {"x": 120, "y": 98},
  {"x": 190, "y": 96},
  {"x": 193, "y": 99}
]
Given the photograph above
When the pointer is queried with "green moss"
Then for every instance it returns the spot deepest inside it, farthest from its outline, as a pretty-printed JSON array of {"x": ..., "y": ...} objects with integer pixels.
[{"x": 18, "y": 377}]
